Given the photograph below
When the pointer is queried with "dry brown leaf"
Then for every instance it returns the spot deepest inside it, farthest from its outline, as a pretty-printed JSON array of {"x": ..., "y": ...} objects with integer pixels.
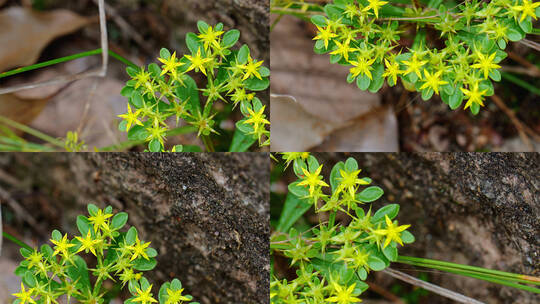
[
  {"x": 293, "y": 128},
  {"x": 373, "y": 132},
  {"x": 19, "y": 109},
  {"x": 25, "y": 33}
]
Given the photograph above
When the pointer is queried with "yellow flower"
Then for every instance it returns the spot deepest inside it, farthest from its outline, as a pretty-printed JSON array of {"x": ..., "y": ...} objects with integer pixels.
[
  {"x": 362, "y": 66},
  {"x": 433, "y": 81},
  {"x": 88, "y": 243},
  {"x": 62, "y": 246},
  {"x": 474, "y": 95},
  {"x": 256, "y": 119},
  {"x": 175, "y": 296},
  {"x": 349, "y": 180},
  {"x": 25, "y": 296},
  {"x": 392, "y": 231},
  {"x": 100, "y": 219},
  {"x": 325, "y": 34},
  {"x": 170, "y": 65},
  {"x": 312, "y": 180},
  {"x": 343, "y": 49},
  {"x": 144, "y": 297},
  {"x": 252, "y": 68},
  {"x": 344, "y": 295},
  {"x": 156, "y": 132},
  {"x": 142, "y": 78},
  {"x": 527, "y": 9},
  {"x": 392, "y": 70},
  {"x": 197, "y": 62},
  {"x": 485, "y": 63},
  {"x": 139, "y": 249},
  {"x": 414, "y": 65},
  {"x": 375, "y": 5},
  {"x": 211, "y": 37},
  {"x": 131, "y": 117}
]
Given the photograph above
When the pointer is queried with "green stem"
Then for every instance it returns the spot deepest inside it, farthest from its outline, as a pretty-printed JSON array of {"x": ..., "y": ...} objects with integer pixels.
[
  {"x": 516, "y": 80},
  {"x": 208, "y": 144},
  {"x": 16, "y": 240},
  {"x": 31, "y": 131},
  {"x": 470, "y": 270},
  {"x": 65, "y": 59},
  {"x": 332, "y": 219}
]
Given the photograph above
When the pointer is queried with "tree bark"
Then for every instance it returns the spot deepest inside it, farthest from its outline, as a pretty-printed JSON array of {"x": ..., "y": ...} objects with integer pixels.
[
  {"x": 206, "y": 214},
  {"x": 481, "y": 209}
]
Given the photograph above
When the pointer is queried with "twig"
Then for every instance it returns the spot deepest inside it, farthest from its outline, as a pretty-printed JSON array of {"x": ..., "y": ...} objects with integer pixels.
[
  {"x": 531, "y": 44},
  {"x": 385, "y": 293},
  {"x": 431, "y": 287},
  {"x": 126, "y": 27},
  {"x": 13, "y": 204},
  {"x": 522, "y": 128},
  {"x": 69, "y": 78}
]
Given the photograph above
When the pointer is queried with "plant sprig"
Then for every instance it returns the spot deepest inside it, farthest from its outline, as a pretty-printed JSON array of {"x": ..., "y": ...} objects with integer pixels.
[
  {"x": 458, "y": 63},
  {"x": 158, "y": 93},
  {"x": 120, "y": 257},
  {"x": 332, "y": 260}
]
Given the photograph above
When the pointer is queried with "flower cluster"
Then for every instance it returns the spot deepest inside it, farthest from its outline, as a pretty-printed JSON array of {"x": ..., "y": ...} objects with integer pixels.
[
  {"x": 458, "y": 64},
  {"x": 121, "y": 257},
  {"x": 332, "y": 260},
  {"x": 158, "y": 93}
]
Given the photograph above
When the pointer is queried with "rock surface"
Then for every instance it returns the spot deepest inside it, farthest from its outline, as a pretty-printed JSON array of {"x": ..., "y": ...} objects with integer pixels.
[{"x": 206, "y": 214}]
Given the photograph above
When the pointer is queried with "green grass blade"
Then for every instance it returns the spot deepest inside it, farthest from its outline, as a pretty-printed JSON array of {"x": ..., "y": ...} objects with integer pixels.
[
  {"x": 516, "y": 80},
  {"x": 16, "y": 241},
  {"x": 31, "y": 131},
  {"x": 65, "y": 59}
]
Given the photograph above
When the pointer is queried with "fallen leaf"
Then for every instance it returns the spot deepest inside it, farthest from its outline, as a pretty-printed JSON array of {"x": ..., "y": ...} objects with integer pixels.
[
  {"x": 91, "y": 104},
  {"x": 376, "y": 131},
  {"x": 293, "y": 128},
  {"x": 25, "y": 33},
  {"x": 20, "y": 109}
]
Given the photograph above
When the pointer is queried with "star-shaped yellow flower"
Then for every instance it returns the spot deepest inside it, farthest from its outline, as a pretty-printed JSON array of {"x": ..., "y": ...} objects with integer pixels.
[
  {"x": 474, "y": 95},
  {"x": 433, "y": 81},
  {"x": 349, "y": 180},
  {"x": 343, "y": 49},
  {"x": 62, "y": 246},
  {"x": 170, "y": 65},
  {"x": 485, "y": 63},
  {"x": 362, "y": 66},
  {"x": 252, "y": 68},
  {"x": 392, "y": 70},
  {"x": 325, "y": 34},
  {"x": 414, "y": 65},
  {"x": 256, "y": 119},
  {"x": 88, "y": 243},
  {"x": 131, "y": 117},
  {"x": 211, "y": 37},
  {"x": 175, "y": 296},
  {"x": 100, "y": 219},
  {"x": 198, "y": 62},
  {"x": 375, "y": 5},
  {"x": 139, "y": 249},
  {"x": 25, "y": 295},
  {"x": 392, "y": 231},
  {"x": 527, "y": 9},
  {"x": 144, "y": 297},
  {"x": 344, "y": 294},
  {"x": 312, "y": 180}
]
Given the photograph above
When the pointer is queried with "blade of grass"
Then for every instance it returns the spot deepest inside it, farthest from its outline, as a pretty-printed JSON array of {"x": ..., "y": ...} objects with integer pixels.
[
  {"x": 31, "y": 131},
  {"x": 516, "y": 80},
  {"x": 16, "y": 241},
  {"x": 65, "y": 59},
  {"x": 471, "y": 270}
]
